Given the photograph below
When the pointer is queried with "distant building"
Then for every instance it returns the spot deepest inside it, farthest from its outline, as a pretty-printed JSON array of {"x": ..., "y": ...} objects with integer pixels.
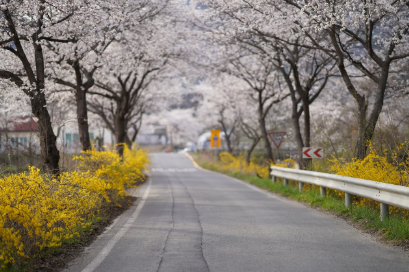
[
  {"x": 22, "y": 133},
  {"x": 68, "y": 140},
  {"x": 153, "y": 135},
  {"x": 19, "y": 133}
]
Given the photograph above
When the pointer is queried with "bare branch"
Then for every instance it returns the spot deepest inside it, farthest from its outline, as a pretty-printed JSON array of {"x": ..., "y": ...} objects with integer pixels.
[
  {"x": 50, "y": 39},
  {"x": 65, "y": 83}
]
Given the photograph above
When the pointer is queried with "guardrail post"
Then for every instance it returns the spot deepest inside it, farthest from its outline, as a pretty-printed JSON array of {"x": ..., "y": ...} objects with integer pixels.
[
  {"x": 384, "y": 211},
  {"x": 323, "y": 191},
  {"x": 285, "y": 181},
  {"x": 348, "y": 200},
  {"x": 274, "y": 179},
  {"x": 300, "y": 184}
]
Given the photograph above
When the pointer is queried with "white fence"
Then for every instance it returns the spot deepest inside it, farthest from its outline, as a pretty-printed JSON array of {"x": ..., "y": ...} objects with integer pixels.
[{"x": 386, "y": 194}]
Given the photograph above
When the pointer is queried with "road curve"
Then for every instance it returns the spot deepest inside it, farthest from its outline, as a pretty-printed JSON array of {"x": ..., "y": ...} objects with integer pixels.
[{"x": 195, "y": 220}]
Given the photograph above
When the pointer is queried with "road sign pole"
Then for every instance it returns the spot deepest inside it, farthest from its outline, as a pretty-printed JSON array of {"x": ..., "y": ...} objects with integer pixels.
[
  {"x": 277, "y": 139},
  {"x": 215, "y": 141}
]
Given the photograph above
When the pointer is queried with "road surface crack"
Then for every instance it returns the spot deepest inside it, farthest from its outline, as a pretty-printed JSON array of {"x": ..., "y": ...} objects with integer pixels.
[
  {"x": 171, "y": 228},
  {"x": 199, "y": 221}
]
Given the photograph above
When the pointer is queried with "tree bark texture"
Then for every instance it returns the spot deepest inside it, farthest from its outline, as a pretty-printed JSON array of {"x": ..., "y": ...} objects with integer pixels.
[
  {"x": 48, "y": 140},
  {"x": 295, "y": 116},
  {"x": 227, "y": 134},
  {"x": 49, "y": 151},
  {"x": 121, "y": 122},
  {"x": 82, "y": 111},
  {"x": 366, "y": 126},
  {"x": 264, "y": 135},
  {"x": 250, "y": 150},
  {"x": 126, "y": 99},
  {"x": 120, "y": 134}
]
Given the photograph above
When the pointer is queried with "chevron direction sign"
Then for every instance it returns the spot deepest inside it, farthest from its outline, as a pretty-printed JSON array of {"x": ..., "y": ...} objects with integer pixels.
[{"x": 312, "y": 153}]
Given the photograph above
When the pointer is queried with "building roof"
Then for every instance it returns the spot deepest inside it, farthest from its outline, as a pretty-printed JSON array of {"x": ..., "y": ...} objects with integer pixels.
[
  {"x": 20, "y": 124},
  {"x": 156, "y": 130}
]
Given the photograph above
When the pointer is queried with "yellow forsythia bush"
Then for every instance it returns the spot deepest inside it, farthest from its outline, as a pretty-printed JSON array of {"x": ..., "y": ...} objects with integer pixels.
[
  {"x": 38, "y": 211},
  {"x": 287, "y": 163},
  {"x": 377, "y": 168},
  {"x": 238, "y": 164},
  {"x": 116, "y": 173}
]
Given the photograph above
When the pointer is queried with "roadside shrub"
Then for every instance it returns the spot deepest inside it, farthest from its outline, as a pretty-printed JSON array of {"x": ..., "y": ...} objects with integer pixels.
[
  {"x": 39, "y": 211},
  {"x": 392, "y": 170},
  {"x": 287, "y": 163},
  {"x": 229, "y": 162},
  {"x": 116, "y": 173}
]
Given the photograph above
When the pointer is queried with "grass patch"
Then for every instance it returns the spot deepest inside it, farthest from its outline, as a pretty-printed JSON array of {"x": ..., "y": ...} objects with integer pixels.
[{"x": 395, "y": 229}]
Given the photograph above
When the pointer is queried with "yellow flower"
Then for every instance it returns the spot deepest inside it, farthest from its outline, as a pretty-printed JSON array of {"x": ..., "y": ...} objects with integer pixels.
[{"x": 39, "y": 211}]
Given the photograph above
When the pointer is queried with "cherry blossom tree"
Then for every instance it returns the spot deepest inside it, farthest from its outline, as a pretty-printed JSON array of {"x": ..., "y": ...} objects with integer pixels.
[
  {"x": 220, "y": 106},
  {"x": 125, "y": 83},
  {"x": 110, "y": 20},
  {"x": 25, "y": 26},
  {"x": 362, "y": 38},
  {"x": 263, "y": 82},
  {"x": 304, "y": 70},
  {"x": 370, "y": 36},
  {"x": 66, "y": 41},
  {"x": 124, "y": 102},
  {"x": 79, "y": 85}
]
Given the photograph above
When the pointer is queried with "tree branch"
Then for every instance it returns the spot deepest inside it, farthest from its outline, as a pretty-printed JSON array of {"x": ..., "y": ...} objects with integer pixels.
[
  {"x": 65, "y": 83},
  {"x": 50, "y": 39},
  {"x": 12, "y": 77}
]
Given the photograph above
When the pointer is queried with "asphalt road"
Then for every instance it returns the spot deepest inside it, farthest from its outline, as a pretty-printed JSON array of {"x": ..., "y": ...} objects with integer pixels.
[{"x": 193, "y": 220}]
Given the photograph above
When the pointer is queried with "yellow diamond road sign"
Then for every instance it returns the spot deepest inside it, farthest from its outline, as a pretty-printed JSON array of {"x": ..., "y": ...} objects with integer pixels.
[{"x": 215, "y": 140}]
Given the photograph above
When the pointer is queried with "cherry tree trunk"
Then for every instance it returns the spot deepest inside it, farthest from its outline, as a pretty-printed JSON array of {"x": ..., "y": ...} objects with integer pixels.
[
  {"x": 82, "y": 116},
  {"x": 228, "y": 143},
  {"x": 227, "y": 137},
  {"x": 295, "y": 118},
  {"x": 360, "y": 147},
  {"x": 82, "y": 111},
  {"x": 307, "y": 130},
  {"x": 366, "y": 129},
  {"x": 120, "y": 134},
  {"x": 264, "y": 135},
  {"x": 48, "y": 140},
  {"x": 128, "y": 141},
  {"x": 250, "y": 150}
]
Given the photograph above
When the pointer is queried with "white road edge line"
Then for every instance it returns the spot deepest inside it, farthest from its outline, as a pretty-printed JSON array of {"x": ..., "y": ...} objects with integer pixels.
[
  {"x": 108, "y": 247},
  {"x": 107, "y": 229}
]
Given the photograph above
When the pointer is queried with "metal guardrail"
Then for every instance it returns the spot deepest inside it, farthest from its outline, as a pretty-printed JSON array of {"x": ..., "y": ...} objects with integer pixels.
[{"x": 386, "y": 194}]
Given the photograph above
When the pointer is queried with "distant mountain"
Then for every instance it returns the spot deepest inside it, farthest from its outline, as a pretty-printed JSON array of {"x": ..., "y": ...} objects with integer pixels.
[{"x": 188, "y": 101}]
